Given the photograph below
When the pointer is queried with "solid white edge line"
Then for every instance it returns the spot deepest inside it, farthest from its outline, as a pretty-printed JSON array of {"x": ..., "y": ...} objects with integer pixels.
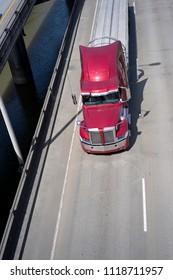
[
  {"x": 144, "y": 205},
  {"x": 63, "y": 191}
]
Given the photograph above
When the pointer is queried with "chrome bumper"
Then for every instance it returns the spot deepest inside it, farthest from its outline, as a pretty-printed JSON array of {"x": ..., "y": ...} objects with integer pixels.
[{"x": 118, "y": 146}]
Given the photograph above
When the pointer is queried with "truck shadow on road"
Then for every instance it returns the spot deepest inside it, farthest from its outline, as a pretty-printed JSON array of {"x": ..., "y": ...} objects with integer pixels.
[
  {"x": 135, "y": 109},
  {"x": 137, "y": 85},
  {"x": 63, "y": 128}
]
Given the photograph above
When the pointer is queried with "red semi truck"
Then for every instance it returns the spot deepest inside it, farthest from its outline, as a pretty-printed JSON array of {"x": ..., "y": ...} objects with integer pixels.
[{"x": 105, "y": 95}]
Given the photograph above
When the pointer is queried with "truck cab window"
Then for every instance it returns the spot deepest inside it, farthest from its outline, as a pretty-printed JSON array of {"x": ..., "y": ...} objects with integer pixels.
[
  {"x": 110, "y": 98},
  {"x": 91, "y": 100}
]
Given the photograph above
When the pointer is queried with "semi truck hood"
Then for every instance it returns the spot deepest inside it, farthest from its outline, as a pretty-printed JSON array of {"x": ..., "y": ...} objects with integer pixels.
[{"x": 101, "y": 116}]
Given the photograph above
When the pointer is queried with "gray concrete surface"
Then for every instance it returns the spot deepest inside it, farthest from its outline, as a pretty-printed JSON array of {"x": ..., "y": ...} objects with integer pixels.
[{"x": 117, "y": 206}]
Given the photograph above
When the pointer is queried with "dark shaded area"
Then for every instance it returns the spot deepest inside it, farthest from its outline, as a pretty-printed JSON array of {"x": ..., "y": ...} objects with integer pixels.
[
  {"x": 23, "y": 104},
  {"x": 69, "y": 3},
  {"x": 29, "y": 109},
  {"x": 41, "y": 1},
  {"x": 136, "y": 86}
]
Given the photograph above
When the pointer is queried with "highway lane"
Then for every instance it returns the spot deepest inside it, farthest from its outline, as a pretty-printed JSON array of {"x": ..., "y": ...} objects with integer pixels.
[
  {"x": 117, "y": 206},
  {"x": 154, "y": 24},
  {"x": 14, "y": 14},
  {"x": 4, "y": 6},
  {"x": 7, "y": 10}
]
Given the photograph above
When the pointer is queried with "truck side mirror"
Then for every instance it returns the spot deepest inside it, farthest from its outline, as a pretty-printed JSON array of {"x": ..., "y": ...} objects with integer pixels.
[
  {"x": 123, "y": 101},
  {"x": 78, "y": 122},
  {"x": 128, "y": 94},
  {"x": 74, "y": 99}
]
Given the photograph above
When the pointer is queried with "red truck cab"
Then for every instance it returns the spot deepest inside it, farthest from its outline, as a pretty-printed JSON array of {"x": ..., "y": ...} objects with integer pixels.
[{"x": 105, "y": 94}]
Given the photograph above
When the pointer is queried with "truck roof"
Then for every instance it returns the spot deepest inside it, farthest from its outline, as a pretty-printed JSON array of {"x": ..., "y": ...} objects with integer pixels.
[{"x": 99, "y": 68}]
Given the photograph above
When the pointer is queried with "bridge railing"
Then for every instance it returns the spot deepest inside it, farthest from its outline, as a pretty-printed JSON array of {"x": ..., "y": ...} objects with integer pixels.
[{"x": 13, "y": 29}]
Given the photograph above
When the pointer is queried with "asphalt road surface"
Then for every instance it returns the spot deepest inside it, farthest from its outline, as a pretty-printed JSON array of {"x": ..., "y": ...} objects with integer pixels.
[
  {"x": 116, "y": 206},
  {"x": 7, "y": 9},
  {"x": 5, "y": 6}
]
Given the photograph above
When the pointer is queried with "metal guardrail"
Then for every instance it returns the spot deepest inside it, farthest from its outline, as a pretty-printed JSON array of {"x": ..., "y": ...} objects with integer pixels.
[
  {"x": 13, "y": 29},
  {"x": 98, "y": 41}
]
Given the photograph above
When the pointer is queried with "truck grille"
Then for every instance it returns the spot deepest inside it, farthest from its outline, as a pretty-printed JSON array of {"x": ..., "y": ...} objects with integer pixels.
[
  {"x": 95, "y": 137},
  {"x": 107, "y": 136}
]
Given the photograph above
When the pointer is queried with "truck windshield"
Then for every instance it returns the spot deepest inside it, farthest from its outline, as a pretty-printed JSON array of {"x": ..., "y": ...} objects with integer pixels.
[{"x": 109, "y": 98}]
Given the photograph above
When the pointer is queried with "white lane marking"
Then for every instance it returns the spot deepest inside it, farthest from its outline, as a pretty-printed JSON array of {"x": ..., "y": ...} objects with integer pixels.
[
  {"x": 144, "y": 205},
  {"x": 63, "y": 190}
]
